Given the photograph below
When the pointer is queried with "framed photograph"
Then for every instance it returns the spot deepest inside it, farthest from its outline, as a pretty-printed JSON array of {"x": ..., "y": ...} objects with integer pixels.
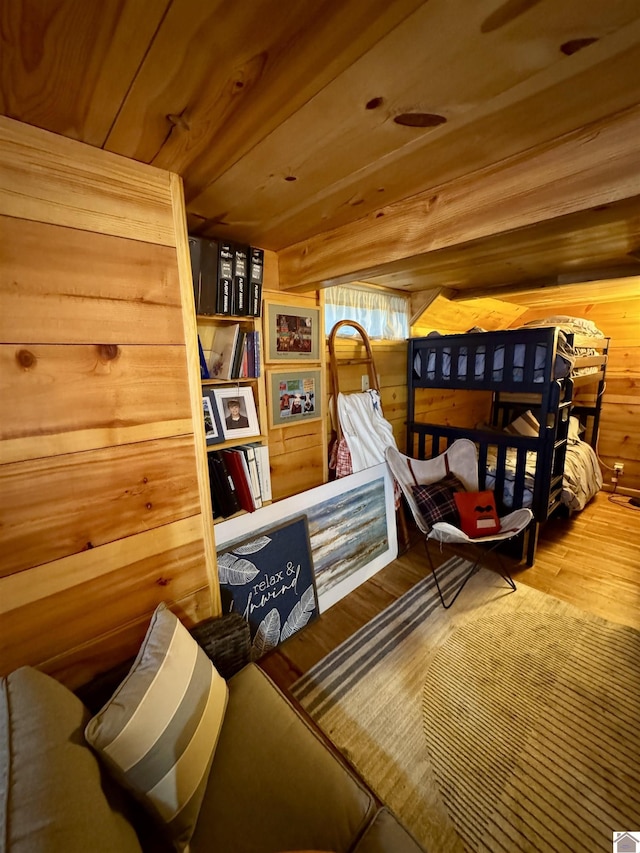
[
  {"x": 237, "y": 411},
  {"x": 294, "y": 395},
  {"x": 267, "y": 577},
  {"x": 291, "y": 334},
  {"x": 212, "y": 427}
]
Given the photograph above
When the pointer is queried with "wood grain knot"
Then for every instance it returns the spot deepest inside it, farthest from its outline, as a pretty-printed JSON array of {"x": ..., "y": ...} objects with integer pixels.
[
  {"x": 573, "y": 46},
  {"x": 374, "y": 103},
  {"x": 108, "y": 351},
  {"x": 419, "y": 119},
  {"x": 26, "y": 359},
  {"x": 163, "y": 581},
  {"x": 179, "y": 121}
]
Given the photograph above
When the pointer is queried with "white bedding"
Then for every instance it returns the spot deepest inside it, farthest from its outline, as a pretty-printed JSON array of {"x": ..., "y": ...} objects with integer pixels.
[
  {"x": 563, "y": 365},
  {"x": 582, "y": 477}
]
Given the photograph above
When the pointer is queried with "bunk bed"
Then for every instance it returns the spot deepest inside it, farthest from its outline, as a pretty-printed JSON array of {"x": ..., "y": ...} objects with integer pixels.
[{"x": 532, "y": 374}]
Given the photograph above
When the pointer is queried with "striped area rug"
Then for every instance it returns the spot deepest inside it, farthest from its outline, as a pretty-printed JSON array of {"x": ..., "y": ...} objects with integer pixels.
[{"x": 509, "y": 723}]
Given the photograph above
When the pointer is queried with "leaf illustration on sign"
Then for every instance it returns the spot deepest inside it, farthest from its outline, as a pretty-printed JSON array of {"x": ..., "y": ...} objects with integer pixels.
[
  {"x": 300, "y": 614},
  {"x": 267, "y": 636},
  {"x": 235, "y": 571},
  {"x": 253, "y": 546}
]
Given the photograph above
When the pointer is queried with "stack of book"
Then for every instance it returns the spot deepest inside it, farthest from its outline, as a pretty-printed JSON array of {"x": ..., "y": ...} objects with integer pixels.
[
  {"x": 240, "y": 479},
  {"x": 227, "y": 277},
  {"x": 232, "y": 354}
]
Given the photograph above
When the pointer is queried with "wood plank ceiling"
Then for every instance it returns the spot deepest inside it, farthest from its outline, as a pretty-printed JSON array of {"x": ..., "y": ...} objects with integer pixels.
[{"x": 283, "y": 120}]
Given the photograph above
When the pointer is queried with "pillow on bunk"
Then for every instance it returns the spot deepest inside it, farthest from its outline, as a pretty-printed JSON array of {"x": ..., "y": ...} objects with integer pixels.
[
  {"x": 478, "y": 514},
  {"x": 575, "y": 429},
  {"x": 436, "y": 500},
  {"x": 526, "y": 424}
]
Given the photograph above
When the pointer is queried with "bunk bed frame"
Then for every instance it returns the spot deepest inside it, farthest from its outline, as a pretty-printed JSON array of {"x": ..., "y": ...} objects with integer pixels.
[{"x": 519, "y": 368}]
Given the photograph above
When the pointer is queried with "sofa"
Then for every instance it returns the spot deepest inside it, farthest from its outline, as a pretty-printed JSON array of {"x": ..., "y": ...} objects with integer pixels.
[{"x": 272, "y": 781}]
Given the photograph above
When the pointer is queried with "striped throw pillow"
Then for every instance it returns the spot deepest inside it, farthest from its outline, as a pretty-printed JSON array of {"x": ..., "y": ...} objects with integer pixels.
[{"x": 158, "y": 732}]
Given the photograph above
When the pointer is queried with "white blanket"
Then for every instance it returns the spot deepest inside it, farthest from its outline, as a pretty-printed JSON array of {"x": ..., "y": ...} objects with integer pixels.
[
  {"x": 581, "y": 480},
  {"x": 366, "y": 431}
]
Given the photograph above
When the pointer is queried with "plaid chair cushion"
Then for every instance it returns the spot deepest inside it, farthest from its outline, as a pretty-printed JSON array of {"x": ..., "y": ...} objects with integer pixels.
[{"x": 436, "y": 501}]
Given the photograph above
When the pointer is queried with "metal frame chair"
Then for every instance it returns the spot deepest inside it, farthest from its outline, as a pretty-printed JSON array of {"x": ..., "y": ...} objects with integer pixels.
[{"x": 461, "y": 459}]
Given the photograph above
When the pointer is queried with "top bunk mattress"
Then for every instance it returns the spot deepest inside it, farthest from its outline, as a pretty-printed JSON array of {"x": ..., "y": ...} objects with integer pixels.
[{"x": 515, "y": 359}]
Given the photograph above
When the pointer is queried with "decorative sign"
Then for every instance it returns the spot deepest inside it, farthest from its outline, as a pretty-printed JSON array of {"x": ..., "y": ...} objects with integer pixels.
[{"x": 268, "y": 579}]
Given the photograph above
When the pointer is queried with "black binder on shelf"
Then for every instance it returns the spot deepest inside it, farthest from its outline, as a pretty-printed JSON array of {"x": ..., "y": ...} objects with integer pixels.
[
  {"x": 223, "y": 490},
  {"x": 240, "y": 292},
  {"x": 208, "y": 277},
  {"x": 256, "y": 273},
  {"x": 195, "y": 250},
  {"x": 226, "y": 256}
]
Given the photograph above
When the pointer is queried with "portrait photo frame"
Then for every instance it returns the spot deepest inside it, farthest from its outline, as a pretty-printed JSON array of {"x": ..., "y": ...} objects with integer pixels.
[
  {"x": 291, "y": 333},
  {"x": 294, "y": 395},
  {"x": 247, "y": 416}
]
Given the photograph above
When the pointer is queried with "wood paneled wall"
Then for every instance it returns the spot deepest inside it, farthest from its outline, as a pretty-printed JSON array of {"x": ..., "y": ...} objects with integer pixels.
[{"x": 104, "y": 510}]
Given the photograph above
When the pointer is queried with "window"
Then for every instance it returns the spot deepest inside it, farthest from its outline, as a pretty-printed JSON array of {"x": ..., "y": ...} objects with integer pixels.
[{"x": 383, "y": 315}]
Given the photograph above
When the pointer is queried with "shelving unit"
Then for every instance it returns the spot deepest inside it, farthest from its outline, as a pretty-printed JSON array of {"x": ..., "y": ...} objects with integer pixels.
[{"x": 206, "y": 326}]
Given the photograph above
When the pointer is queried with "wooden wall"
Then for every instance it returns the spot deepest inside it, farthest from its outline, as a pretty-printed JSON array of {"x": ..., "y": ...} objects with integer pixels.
[{"x": 104, "y": 512}]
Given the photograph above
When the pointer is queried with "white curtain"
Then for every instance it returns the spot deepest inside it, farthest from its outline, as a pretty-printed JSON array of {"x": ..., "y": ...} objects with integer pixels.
[{"x": 384, "y": 316}]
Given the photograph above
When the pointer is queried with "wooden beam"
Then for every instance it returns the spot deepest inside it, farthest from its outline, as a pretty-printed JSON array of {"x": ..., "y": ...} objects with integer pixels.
[
  {"x": 596, "y": 165},
  {"x": 500, "y": 290}
]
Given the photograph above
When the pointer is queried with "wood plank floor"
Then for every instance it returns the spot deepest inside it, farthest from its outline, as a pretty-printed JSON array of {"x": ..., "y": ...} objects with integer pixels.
[{"x": 591, "y": 560}]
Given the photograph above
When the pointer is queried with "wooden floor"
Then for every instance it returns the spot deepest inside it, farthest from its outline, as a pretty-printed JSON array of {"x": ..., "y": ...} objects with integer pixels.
[{"x": 591, "y": 560}]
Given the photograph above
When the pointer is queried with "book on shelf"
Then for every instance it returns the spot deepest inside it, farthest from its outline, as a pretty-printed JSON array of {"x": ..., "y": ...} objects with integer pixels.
[
  {"x": 240, "y": 291},
  {"x": 226, "y": 257},
  {"x": 238, "y": 468},
  {"x": 204, "y": 370},
  {"x": 208, "y": 277},
  {"x": 256, "y": 273},
  {"x": 249, "y": 452},
  {"x": 238, "y": 352},
  {"x": 223, "y": 351},
  {"x": 195, "y": 248},
  {"x": 261, "y": 455},
  {"x": 223, "y": 490}
]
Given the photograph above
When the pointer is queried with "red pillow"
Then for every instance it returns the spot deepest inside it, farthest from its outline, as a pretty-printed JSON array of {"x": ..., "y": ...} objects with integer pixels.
[{"x": 478, "y": 514}]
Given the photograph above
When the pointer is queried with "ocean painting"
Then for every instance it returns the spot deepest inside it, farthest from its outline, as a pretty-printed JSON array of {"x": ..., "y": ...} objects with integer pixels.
[
  {"x": 352, "y": 529},
  {"x": 347, "y": 532}
]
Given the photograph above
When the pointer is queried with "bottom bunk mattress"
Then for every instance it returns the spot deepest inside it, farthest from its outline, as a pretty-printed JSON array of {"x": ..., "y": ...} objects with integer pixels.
[{"x": 582, "y": 478}]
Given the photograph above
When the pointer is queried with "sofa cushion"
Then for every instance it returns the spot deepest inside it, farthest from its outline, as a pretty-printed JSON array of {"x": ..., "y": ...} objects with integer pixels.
[
  {"x": 274, "y": 784},
  {"x": 52, "y": 793},
  {"x": 386, "y": 834},
  {"x": 158, "y": 733}
]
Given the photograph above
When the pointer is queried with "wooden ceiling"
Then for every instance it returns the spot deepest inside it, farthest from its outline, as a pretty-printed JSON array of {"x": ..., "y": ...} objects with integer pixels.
[{"x": 281, "y": 117}]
